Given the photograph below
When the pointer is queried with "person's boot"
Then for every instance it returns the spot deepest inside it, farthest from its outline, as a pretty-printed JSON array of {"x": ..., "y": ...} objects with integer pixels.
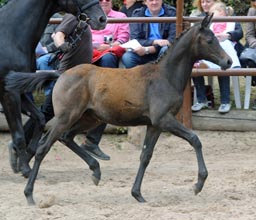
[{"x": 94, "y": 150}]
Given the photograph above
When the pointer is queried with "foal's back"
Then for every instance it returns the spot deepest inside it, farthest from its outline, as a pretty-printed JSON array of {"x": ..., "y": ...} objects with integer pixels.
[{"x": 106, "y": 91}]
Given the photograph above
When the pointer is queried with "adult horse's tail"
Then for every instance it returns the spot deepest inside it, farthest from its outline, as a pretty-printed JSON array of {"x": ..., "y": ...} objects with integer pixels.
[{"x": 28, "y": 82}]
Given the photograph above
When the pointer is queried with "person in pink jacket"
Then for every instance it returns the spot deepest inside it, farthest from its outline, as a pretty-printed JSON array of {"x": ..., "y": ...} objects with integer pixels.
[{"x": 111, "y": 37}]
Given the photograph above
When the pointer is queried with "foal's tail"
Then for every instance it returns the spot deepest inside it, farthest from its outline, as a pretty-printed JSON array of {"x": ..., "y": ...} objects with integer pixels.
[{"x": 28, "y": 82}]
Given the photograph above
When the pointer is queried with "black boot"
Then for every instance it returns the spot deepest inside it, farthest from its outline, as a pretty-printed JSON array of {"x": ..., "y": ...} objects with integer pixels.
[
  {"x": 94, "y": 150},
  {"x": 92, "y": 141}
]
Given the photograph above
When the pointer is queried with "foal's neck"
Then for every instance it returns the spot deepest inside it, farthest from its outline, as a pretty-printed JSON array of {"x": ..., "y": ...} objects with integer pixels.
[{"x": 178, "y": 63}]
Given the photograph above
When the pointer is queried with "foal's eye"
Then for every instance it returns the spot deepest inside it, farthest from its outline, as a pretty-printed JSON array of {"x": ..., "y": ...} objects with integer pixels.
[{"x": 209, "y": 40}]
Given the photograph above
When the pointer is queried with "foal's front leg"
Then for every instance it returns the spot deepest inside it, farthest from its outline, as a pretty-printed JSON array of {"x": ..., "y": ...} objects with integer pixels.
[
  {"x": 170, "y": 123},
  {"x": 151, "y": 138}
]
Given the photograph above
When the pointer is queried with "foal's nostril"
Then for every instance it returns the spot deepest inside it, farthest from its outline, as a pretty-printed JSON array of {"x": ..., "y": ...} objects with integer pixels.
[{"x": 230, "y": 62}]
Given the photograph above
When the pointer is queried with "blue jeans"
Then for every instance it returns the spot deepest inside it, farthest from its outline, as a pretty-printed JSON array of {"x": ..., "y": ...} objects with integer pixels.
[
  {"x": 224, "y": 85},
  {"x": 131, "y": 59},
  {"x": 108, "y": 60},
  {"x": 42, "y": 63}
]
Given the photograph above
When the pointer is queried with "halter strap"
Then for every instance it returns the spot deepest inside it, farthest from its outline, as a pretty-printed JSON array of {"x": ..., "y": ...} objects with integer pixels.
[
  {"x": 86, "y": 6},
  {"x": 81, "y": 15}
]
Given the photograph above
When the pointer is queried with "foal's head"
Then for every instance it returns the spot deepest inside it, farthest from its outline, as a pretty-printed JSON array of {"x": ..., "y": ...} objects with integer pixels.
[{"x": 206, "y": 46}]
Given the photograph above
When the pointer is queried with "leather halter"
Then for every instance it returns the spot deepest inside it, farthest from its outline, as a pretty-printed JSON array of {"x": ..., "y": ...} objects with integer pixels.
[{"x": 83, "y": 16}]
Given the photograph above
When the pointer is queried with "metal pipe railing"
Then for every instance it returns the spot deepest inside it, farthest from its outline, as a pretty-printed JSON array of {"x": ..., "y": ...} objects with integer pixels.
[{"x": 169, "y": 19}]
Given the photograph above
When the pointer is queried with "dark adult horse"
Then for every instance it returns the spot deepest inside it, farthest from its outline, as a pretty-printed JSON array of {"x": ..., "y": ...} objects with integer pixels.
[
  {"x": 150, "y": 94},
  {"x": 22, "y": 24}
]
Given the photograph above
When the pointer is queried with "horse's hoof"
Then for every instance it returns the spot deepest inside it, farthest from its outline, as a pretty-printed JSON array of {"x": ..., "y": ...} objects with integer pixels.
[
  {"x": 95, "y": 180},
  {"x": 26, "y": 172},
  {"x": 13, "y": 159}
]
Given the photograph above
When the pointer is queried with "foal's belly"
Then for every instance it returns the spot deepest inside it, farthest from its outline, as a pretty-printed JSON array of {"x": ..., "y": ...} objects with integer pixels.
[{"x": 122, "y": 113}]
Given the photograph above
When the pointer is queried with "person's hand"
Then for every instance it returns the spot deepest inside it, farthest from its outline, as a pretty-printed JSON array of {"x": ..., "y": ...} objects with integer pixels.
[
  {"x": 103, "y": 47},
  {"x": 45, "y": 49},
  {"x": 65, "y": 47},
  {"x": 140, "y": 51},
  {"x": 161, "y": 42}
]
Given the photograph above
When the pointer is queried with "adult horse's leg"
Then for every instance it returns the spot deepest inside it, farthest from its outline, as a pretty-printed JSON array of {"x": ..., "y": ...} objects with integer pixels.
[
  {"x": 10, "y": 101},
  {"x": 29, "y": 109},
  {"x": 170, "y": 123},
  {"x": 151, "y": 138}
]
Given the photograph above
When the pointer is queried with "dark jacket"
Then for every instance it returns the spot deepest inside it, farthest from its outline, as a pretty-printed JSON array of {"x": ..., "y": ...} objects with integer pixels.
[
  {"x": 129, "y": 11},
  {"x": 140, "y": 31}
]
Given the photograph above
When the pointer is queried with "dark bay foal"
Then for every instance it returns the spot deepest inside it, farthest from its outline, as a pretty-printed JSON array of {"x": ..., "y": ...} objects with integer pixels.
[{"x": 150, "y": 95}]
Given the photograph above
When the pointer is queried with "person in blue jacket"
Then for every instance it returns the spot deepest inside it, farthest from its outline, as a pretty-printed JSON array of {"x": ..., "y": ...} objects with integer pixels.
[{"x": 153, "y": 37}]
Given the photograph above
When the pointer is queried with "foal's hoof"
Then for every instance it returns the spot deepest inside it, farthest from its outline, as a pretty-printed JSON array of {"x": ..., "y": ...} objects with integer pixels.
[
  {"x": 196, "y": 189},
  {"x": 13, "y": 158},
  {"x": 30, "y": 201},
  {"x": 95, "y": 180},
  {"x": 138, "y": 197}
]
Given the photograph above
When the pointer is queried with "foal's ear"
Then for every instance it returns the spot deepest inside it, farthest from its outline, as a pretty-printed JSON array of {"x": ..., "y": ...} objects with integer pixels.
[{"x": 206, "y": 22}]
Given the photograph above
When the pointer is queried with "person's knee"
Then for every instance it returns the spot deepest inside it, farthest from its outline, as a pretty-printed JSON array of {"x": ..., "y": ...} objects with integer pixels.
[
  {"x": 109, "y": 60},
  {"x": 127, "y": 60},
  {"x": 43, "y": 62}
]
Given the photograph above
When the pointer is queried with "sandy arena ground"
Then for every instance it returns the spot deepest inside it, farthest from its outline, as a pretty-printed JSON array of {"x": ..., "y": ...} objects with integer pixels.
[{"x": 65, "y": 182}]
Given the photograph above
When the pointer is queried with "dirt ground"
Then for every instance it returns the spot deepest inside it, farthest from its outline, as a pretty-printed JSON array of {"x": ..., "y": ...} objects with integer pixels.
[{"x": 65, "y": 182}]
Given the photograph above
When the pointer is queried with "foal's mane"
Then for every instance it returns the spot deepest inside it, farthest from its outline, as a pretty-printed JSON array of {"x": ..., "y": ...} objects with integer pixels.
[{"x": 173, "y": 44}]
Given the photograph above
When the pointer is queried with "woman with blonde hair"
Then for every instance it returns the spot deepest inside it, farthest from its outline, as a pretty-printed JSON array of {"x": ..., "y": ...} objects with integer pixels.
[{"x": 202, "y": 8}]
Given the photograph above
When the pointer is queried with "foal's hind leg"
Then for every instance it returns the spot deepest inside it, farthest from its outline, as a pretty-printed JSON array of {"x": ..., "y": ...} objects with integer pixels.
[
  {"x": 86, "y": 122},
  {"x": 68, "y": 140},
  {"x": 44, "y": 146},
  {"x": 60, "y": 125},
  {"x": 151, "y": 138},
  {"x": 169, "y": 123},
  {"x": 37, "y": 123}
]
